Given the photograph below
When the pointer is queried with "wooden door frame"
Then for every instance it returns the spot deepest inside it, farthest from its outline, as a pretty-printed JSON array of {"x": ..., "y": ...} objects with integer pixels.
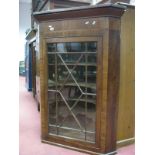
[{"x": 56, "y": 138}]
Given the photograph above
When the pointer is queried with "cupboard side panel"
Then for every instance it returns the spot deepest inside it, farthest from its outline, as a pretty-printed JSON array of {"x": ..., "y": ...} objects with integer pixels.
[{"x": 112, "y": 84}]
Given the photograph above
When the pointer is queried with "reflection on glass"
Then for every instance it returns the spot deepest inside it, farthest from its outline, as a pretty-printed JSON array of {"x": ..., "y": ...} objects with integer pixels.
[
  {"x": 61, "y": 47},
  {"x": 72, "y": 89},
  {"x": 72, "y": 47}
]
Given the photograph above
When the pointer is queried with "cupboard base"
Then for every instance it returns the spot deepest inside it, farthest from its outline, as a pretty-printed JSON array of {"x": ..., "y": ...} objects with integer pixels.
[{"x": 78, "y": 149}]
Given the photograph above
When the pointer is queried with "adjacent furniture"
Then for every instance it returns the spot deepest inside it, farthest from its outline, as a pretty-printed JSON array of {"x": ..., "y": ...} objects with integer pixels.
[
  {"x": 32, "y": 66},
  {"x": 28, "y": 67},
  {"x": 126, "y": 107},
  {"x": 39, "y": 5}
]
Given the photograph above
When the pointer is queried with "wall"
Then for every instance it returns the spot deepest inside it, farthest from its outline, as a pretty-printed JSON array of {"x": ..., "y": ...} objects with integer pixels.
[
  {"x": 97, "y": 1},
  {"x": 24, "y": 24}
]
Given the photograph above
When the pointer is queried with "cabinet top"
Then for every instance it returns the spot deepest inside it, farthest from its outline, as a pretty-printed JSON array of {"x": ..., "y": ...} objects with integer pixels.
[{"x": 108, "y": 10}]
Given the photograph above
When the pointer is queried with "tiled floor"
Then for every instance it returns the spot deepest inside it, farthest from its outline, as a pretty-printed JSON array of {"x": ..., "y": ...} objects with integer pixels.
[{"x": 29, "y": 128}]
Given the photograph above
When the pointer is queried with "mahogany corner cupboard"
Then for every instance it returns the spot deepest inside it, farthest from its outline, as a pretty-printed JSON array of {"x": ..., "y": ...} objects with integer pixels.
[{"x": 79, "y": 54}]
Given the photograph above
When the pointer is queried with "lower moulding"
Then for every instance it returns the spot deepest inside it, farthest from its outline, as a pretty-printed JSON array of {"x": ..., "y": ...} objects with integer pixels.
[
  {"x": 80, "y": 150},
  {"x": 125, "y": 142}
]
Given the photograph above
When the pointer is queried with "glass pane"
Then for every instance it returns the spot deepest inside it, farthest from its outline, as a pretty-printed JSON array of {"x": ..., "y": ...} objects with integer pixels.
[
  {"x": 52, "y": 129},
  {"x": 90, "y": 120},
  {"x": 72, "y": 89},
  {"x": 51, "y": 59},
  {"x": 91, "y": 74},
  {"x": 90, "y": 136},
  {"x": 70, "y": 58},
  {"x": 67, "y": 132},
  {"x": 92, "y": 58},
  {"x": 61, "y": 47},
  {"x": 92, "y": 46},
  {"x": 51, "y": 47},
  {"x": 71, "y": 47},
  {"x": 52, "y": 108},
  {"x": 62, "y": 73}
]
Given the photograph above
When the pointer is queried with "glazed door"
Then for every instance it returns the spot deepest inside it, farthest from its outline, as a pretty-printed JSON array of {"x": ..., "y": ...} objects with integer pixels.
[{"x": 72, "y": 87}]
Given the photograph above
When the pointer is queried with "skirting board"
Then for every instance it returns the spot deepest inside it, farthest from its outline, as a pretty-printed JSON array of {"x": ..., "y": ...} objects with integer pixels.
[
  {"x": 80, "y": 150},
  {"x": 125, "y": 142}
]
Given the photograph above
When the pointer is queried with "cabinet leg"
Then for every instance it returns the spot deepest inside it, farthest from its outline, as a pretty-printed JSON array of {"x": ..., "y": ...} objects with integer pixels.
[{"x": 38, "y": 107}]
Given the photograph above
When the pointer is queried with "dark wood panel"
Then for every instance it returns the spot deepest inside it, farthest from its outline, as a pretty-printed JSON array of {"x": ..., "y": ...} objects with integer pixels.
[
  {"x": 74, "y": 25},
  {"x": 113, "y": 84}
]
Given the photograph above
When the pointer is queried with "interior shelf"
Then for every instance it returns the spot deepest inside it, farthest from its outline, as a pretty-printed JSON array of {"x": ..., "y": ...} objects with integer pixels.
[
  {"x": 93, "y": 101},
  {"x": 72, "y": 64},
  {"x": 81, "y": 84}
]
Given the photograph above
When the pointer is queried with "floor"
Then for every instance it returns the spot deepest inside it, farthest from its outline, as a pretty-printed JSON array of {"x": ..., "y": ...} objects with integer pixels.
[{"x": 29, "y": 129}]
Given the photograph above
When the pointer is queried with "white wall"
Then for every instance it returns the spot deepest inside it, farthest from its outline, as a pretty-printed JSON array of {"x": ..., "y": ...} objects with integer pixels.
[
  {"x": 24, "y": 24},
  {"x": 132, "y": 2},
  {"x": 96, "y": 1}
]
